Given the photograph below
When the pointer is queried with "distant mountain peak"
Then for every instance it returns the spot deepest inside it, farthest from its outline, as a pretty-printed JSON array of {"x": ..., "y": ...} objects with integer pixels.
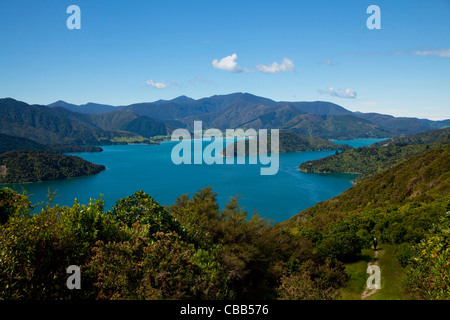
[
  {"x": 183, "y": 99},
  {"x": 60, "y": 103}
]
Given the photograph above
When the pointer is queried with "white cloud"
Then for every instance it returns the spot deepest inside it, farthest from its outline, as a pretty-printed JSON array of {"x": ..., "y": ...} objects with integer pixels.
[
  {"x": 443, "y": 53},
  {"x": 286, "y": 65},
  {"x": 228, "y": 63},
  {"x": 157, "y": 85},
  {"x": 347, "y": 93}
]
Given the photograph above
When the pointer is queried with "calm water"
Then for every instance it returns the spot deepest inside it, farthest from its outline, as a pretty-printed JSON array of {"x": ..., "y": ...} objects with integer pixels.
[{"x": 149, "y": 167}]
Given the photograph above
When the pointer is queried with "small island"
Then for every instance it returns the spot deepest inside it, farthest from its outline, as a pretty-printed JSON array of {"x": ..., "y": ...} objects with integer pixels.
[
  {"x": 33, "y": 166},
  {"x": 291, "y": 142}
]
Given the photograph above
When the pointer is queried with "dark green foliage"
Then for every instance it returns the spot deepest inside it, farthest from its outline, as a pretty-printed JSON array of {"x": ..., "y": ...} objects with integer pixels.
[
  {"x": 254, "y": 255},
  {"x": 313, "y": 282},
  {"x": 428, "y": 270},
  {"x": 11, "y": 143},
  {"x": 56, "y": 126},
  {"x": 403, "y": 125},
  {"x": 344, "y": 241},
  {"x": 143, "y": 209},
  {"x": 377, "y": 158},
  {"x": 135, "y": 252},
  {"x": 116, "y": 261},
  {"x": 146, "y": 127},
  {"x": 336, "y": 127},
  {"x": 292, "y": 142},
  {"x": 164, "y": 268},
  {"x": 35, "y": 252},
  {"x": 129, "y": 122},
  {"x": 32, "y": 166},
  {"x": 44, "y": 125},
  {"x": 68, "y": 148},
  {"x": 12, "y": 204},
  {"x": 414, "y": 183},
  {"x": 404, "y": 253}
]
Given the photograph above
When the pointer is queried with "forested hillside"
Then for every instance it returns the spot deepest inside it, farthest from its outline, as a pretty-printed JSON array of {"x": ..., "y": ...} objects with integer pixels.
[
  {"x": 11, "y": 143},
  {"x": 407, "y": 206},
  {"x": 376, "y": 158},
  {"x": 33, "y": 166},
  {"x": 244, "y": 110},
  {"x": 60, "y": 126},
  {"x": 290, "y": 142}
]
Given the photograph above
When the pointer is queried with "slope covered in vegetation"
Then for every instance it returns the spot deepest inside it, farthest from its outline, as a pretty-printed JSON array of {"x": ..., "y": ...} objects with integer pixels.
[
  {"x": 58, "y": 126},
  {"x": 291, "y": 142},
  {"x": 33, "y": 166},
  {"x": 11, "y": 143},
  {"x": 194, "y": 250},
  {"x": 407, "y": 206},
  {"x": 370, "y": 160},
  {"x": 140, "y": 250}
]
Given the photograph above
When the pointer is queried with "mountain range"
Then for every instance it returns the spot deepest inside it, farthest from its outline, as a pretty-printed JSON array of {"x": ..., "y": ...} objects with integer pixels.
[
  {"x": 244, "y": 110},
  {"x": 59, "y": 125},
  {"x": 94, "y": 124}
]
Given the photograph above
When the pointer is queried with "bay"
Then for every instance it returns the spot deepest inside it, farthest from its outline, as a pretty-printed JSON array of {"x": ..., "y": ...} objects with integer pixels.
[{"x": 149, "y": 167}]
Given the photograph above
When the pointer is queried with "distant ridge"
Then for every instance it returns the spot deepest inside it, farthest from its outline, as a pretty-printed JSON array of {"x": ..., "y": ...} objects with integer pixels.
[
  {"x": 88, "y": 108},
  {"x": 244, "y": 110},
  {"x": 58, "y": 125}
]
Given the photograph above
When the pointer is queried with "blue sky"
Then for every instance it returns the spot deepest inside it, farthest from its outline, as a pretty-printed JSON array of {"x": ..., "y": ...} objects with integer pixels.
[{"x": 135, "y": 51}]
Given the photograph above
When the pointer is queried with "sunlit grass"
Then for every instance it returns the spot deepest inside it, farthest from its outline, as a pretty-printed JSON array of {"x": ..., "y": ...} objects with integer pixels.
[{"x": 391, "y": 276}]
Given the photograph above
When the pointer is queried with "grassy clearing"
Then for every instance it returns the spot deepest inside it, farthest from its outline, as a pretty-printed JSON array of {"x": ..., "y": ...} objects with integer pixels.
[
  {"x": 133, "y": 139},
  {"x": 358, "y": 277},
  {"x": 391, "y": 276}
]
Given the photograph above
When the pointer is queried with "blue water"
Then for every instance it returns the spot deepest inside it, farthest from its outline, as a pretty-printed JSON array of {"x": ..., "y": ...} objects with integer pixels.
[
  {"x": 356, "y": 143},
  {"x": 149, "y": 167}
]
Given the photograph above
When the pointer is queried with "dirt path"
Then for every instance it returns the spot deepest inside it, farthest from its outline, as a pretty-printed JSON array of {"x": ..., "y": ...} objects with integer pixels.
[{"x": 366, "y": 292}]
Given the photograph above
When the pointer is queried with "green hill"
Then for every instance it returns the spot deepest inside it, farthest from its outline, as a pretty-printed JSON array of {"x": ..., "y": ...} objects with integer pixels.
[
  {"x": 421, "y": 179},
  {"x": 324, "y": 126},
  {"x": 33, "y": 166},
  {"x": 407, "y": 209},
  {"x": 11, "y": 143},
  {"x": 128, "y": 121},
  {"x": 56, "y": 126},
  {"x": 403, "y": 125},
  {"x": 292, "y": 142},
  {"x": 370, "y": 160},
  {"x": 244, "y": 114}
]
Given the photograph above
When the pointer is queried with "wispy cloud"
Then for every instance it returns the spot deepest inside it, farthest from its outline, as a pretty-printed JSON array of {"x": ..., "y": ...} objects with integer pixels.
[
  {"x": 443, "y": 53},
  {"x": 228, "y": 63},
  {"x": 285, "y": 65},
  {"x": 328, "y": 63},
  {"x": 199, "y": 79},
  {"x": 157, "y": 85},
  {"x": 347, "y": 93}
]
